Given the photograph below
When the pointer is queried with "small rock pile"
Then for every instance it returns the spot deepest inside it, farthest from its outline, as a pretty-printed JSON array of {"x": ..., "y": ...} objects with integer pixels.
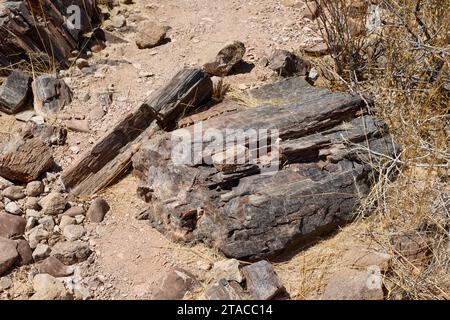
[{"x": 38, "y": 224}]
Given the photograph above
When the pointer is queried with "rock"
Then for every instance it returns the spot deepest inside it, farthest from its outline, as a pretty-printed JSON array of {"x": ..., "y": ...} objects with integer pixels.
[
  {"x": 14, "y": 92},
  {"x": 25, "y": 160},
  {"x": 5, "y": 283},
  {"x": 11, "y": 226},
  {"x": 13, "y": 208},
  {"x": 65, "y": 221},
  {"x": 96, "y": 113},
  {"x": 412, "y": 247},
  {"x": 126, "y": 1},
  {"x": 73, "y": 232},
  {"x": 310, "y": 11},
  {"x": 79, "y": 219},
  {"x": 36, "y": 235},
  {"x": 48, "y": 288},
  {"x": 149, "y": 35},
  {"x": 105, "y": 98},
  {"x": 362, "y": 258},
  {"x": 48, "y": 134},
  {"x": 14, "y": 193},
  {"x": 32, "y": 203},
  {"x": 226, "y": 59},
  {"x": 54, "y": 267},
  {"x": 313, "y": 74},
  {"x": 53, "y": 204},
  {"x": 71, "y": 252},
  {"x": 75, "y": 211},
  {"x": 8, "y": 255},
  {"x": 25, "y": 116},
  {"x": 350, "y": 284},
  {"x": 47, "y": 223},
  {"x": 227, "y": 269},
  {"x": 34, "y": 188},
  {"x": 319, "y": 49},
  {"x": 174, "y": 285},
  {"x": 4, "y": 183},
  {"x": 97, "y": 211},
  {"x": 262, "y": 281},
  {"x": 78, "y": 125},
  {"x": 118, "y": 21},
  {"x": 224, "y": 290},
  {"x": 81, "y": 63},
  {"x": 286, "y": 64},
  {"x": 41, "y": 252},
  {"x": 25, "y": 252},
  {"x": 50, "y": 95}
]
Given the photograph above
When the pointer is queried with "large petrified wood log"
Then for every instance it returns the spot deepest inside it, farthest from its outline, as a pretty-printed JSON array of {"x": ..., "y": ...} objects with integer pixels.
[
  {"x": 323, "y": 145},
  {"x": 42, "y": 28},
  {"x": 111, "y": 156},
  {"x": 25, "y": 160}
]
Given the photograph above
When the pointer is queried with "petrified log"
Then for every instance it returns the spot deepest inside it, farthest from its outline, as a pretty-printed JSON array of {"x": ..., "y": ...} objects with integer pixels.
[
  {"x": 14, "y": 92},
  {"x": 43, "y": 28},
  {"x": 111, "y": 156},
  {"x": 50, "y": 94},
  {"x": 25, "y": 160},
  {"x": 261, "y": 207}
]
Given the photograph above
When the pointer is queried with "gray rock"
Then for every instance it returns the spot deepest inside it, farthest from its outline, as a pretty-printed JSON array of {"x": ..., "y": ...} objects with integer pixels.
[
  {"x": 287, "y": 64},
  {"x": 118, "y": 21},
  {"x": 224, "y": 290},
  {"x": 4, "y": 183},
  {"x": 227, "y": 269},
  {"x": 14, "y": 193},
  {"x": 65, "y": 221},
  {"x": 262, "y": 281},
  {"x": 41, "y": 252},
  {"x": 13, "y": 208},
  {"x": 50, "y": 95},
  {"x": 34, "y": 188},
  {"x": 47, "y": 223},
  {"x": 5, "y": 283},
  {"x": 97, "y": 210},
  {"x": 69, "y": 252},
  {"x": 32, "y": 203},
  {"x": 47, "y": 287},
  {"x": 36, "y": 235},
  {"x": 11, "y": 226},
  {"x": 53, "y": 204},
  {"x": 14, "y": 92},
  {"x": 73, "y": 232}
]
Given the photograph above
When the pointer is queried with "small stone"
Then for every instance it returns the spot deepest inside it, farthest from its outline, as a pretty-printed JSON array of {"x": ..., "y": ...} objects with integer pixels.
[
  {"x": 149, "y": 35},
  {"x": 25, "y": 116},
  {"x": 11, "y": 226},
  {"x": 226, "y": 59},
  {"x": 79, "y": 219},
  {"x": 174, "y": 285},
  {"x": 105, "y": 99},
  {"x": 5, "y": 283},
  {"x": 38, "y": 120},
  {"x": 84, "y": 96},
  {"x": 350, "y": 284},
  {"x": 73, "y": 232},
  {"x": 53, "y": 204},
  {"x": 97, "y": 210},
  {"x": 34, "y": 188},
  {"x": 5, "y": 183},
  {"x": 118, "y": 21},
  {"x": 31, "y": 213},
  {"x": 41, "y": 252},
  {"x": 227, "y": 269},
  {"x": 36, "y": 235},
  {"x": 318, "y": 49},
  {"x": 49, "y": 288},
  {"x": 224, "y": 290},
  {"x": 47, "y": 223},
  {"x": 13, "y": 208},
  {"x": 69, "y": 252},
  {"x": 96, "y": 113},
  {"x": 65, "y": 221},
  {"x": 262, "y": 281},
  {"x": 313, "y": 74},
  {"x": 81, "y": 63},
  {"x": 50, "y": 94},
  {"x": 8, "y": 255},
  {"x": 32, "y": 203},
  {"x": 25, "y": 252},
  {"x": 14, "y": 193},
  {"x": 287, "y": 64},
  {"x": 78, "y": 125},
  {"x": 204, "y": 265},
  {"x": 54, "y": 267}
]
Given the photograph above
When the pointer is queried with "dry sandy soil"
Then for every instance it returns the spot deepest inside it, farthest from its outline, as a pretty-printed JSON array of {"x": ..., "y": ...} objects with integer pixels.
[{"x": 131, "y": 255}]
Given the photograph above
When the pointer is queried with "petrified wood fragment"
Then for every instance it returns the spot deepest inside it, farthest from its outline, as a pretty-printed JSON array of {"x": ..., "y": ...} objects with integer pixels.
[
  {"x": 14, "y": 92},
  {"x": 323, "y": 148}
]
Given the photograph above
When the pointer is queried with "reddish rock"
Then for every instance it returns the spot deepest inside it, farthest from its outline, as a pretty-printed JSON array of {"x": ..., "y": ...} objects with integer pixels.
[
  {"x": 11, "y": 226},
  {"x": 97, "y": 210}
]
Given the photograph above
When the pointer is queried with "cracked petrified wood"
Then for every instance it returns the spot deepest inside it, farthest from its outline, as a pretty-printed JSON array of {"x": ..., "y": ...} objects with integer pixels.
[
  {"x": 324, "y": 142},
  {"x": 42, "y": 28}
]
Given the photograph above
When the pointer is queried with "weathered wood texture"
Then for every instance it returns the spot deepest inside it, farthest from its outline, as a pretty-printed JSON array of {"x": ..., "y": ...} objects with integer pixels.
[
  {"x": 40, "y": 28},
  {"x": 25, "y": 160},
  {"x": 249, "y": 215},
  {"x": 14, "y": 93},
  {"x": 111, "y": 156}
]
